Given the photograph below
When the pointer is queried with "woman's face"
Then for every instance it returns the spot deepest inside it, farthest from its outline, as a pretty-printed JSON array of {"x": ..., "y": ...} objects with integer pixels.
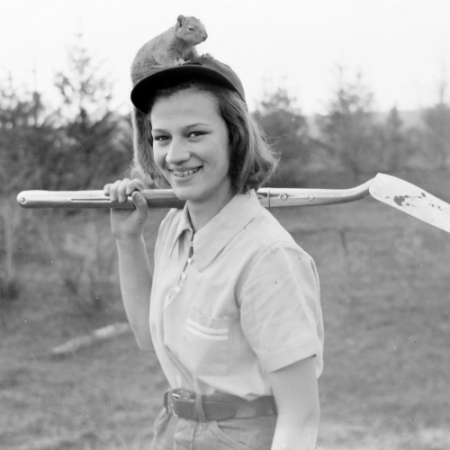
[{"x": 190, "y": 145}]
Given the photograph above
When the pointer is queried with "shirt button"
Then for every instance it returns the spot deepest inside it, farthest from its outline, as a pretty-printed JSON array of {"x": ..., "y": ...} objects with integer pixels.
[
  {"x": 183, "y": 276},
  {"x": 177, "y": 289},
  {"x": 189, "y": 260}
]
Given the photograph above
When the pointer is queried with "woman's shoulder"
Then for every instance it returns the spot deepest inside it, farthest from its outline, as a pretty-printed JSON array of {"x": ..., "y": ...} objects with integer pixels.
[
  {"x": 265, "y": 237},
  {"x": 266, "y": 230}
]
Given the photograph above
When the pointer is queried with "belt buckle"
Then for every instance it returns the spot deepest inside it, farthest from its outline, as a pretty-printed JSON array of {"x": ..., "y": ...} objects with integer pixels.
[
  {"x": 173, "y": 396},
  {"x": 182, "y": 404}
]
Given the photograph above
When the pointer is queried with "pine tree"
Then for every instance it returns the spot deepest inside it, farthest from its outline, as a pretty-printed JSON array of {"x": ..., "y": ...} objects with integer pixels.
[
  {"x": 95, "y": 150},
  {"x": 287, "y": 130},
  {"x": 348, "y": 126}
]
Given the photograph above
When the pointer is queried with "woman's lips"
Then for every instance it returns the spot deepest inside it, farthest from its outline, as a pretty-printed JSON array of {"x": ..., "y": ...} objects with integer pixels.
[{"x": 184, "y": 173}]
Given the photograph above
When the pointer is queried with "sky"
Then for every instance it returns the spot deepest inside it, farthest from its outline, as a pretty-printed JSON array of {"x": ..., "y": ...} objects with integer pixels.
[{"x": 401, "y": 47}]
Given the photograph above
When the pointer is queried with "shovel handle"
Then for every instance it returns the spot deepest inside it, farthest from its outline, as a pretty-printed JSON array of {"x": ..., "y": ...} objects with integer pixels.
[{"x": 165, "y": 198}]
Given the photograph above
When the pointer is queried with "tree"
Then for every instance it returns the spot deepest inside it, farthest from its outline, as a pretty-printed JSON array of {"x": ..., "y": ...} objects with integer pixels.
[
  {"x": 437, "y": 134},
  {"x": 81, "y": 145},
  {"x": 94, "y": 149},
  {"x": 287, "y": 130},
  {"x": 431, "y": 141},
  {"x": 348, "y": 126},
  {"x": 392, "y": 142},
  {"x": 26, "y": 135}
]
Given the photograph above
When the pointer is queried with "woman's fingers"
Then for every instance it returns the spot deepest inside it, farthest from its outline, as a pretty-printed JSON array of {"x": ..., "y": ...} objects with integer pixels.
[
  {"x": 140, "y": 202},
  {"x": 129, "y": 224},
  {"x": 111, "y": 189},
  {"x": 134, "y": 185},
  {"x": 121, "y": 189},
  {"x": 140, "y": 186}
]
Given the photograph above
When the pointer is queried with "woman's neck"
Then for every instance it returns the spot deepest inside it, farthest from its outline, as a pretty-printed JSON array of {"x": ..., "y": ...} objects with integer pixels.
[{"x": 201, "y": 213}]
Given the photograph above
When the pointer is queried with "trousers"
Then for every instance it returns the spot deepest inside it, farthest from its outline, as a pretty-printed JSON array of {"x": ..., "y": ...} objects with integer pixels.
[{"x": 173, "y": 433}]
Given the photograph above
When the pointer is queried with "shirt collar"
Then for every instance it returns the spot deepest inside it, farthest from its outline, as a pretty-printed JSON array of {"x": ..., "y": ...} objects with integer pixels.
[
  {"x": 183, "y": 225},
  {"x": 230, "y": 220}
]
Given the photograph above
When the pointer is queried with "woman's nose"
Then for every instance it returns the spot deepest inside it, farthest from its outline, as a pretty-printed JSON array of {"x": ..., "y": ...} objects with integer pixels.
[{"x": 178, "y": 152}]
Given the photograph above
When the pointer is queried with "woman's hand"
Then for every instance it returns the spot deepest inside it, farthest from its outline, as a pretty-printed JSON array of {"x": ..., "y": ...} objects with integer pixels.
[{"x": 126, "y": 224}]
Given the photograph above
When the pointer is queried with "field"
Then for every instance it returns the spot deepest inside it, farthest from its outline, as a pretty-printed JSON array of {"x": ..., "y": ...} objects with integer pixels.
[{"x": 386, "y": 303}]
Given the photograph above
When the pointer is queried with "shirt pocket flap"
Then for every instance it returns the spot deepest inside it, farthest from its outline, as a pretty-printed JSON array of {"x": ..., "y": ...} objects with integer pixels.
[
  {"x": 206, "y": 327},
  {"x": 205, "y": 344}
]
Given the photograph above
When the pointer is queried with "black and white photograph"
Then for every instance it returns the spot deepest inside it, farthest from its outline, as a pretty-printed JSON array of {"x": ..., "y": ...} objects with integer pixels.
[{"x": 225, "y": 225}]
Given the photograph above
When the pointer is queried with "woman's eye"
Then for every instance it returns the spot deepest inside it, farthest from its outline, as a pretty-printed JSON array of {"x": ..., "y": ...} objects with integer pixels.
[
  {"x": 160, "y": 138},
  {"x": 196, "y": 133}
]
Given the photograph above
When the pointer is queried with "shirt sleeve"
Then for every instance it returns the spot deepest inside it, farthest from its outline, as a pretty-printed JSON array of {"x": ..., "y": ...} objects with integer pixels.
[{"x": 281, "y": 315}]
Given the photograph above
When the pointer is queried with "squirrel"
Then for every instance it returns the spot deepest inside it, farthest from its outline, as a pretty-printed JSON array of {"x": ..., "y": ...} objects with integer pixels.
[
  {"x": 173, "y": 47},
  {"x": 170, "y": 48}
]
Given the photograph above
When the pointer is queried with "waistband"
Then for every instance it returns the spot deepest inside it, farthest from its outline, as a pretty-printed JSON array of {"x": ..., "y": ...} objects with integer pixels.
[{"x": 188, "y": 405}]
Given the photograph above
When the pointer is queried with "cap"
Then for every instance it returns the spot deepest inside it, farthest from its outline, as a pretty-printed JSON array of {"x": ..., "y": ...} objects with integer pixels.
[{"x": 204, "y": 67}]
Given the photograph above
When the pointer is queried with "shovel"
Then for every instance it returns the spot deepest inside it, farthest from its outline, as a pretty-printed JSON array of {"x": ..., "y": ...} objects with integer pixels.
[{"x": 387, "y": 189}]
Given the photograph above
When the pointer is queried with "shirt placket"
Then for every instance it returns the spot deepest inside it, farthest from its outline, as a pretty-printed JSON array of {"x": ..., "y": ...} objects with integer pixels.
[
  {"x": 180, "y": 371},
  {"x": 176, "y": 289}
]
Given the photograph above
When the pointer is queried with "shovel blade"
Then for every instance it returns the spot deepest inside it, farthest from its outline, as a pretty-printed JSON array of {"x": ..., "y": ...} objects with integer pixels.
[{"x": 412, "y": 200}]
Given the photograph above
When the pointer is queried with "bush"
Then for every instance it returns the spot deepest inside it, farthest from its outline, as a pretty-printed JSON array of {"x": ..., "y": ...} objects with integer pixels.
[{"x": 84, "y": 259}]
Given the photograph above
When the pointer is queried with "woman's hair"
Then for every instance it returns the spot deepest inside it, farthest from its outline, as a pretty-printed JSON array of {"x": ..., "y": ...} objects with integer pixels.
[{"x": 252, "y": 160}]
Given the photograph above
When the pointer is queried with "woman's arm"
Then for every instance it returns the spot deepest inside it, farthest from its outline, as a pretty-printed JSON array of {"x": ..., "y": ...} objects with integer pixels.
[
  {"x": 296, "y": 393},
  {"x": 134, "y": 267},
  {"x": 135, "y": 286}
]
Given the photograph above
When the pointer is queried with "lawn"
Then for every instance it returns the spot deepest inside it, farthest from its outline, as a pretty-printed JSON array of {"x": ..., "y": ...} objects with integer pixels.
[{"x": 386, "y": 303}]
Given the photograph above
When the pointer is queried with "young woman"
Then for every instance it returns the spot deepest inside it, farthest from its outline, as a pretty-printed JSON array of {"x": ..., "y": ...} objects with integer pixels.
[{"x": 232, "y": 309}]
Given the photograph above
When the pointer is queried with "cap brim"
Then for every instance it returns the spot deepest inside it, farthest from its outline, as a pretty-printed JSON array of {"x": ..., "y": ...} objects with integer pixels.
[{"x": 164, "y": 78}]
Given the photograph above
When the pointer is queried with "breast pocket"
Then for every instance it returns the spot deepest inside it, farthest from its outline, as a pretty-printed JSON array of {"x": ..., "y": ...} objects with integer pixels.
[{"x": 205, "y": 344}]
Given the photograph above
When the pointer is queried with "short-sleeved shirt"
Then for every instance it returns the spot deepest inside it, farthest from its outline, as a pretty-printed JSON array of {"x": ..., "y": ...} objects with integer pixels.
[{"x": 244, "y": 301}]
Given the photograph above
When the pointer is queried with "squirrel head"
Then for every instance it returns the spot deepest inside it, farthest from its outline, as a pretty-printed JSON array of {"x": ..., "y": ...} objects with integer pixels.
[{"x": 190, "y": 30}]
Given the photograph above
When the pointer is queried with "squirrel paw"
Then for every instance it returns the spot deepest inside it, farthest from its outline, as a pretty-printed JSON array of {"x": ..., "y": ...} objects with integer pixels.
[{"x": 207, "y": 56}]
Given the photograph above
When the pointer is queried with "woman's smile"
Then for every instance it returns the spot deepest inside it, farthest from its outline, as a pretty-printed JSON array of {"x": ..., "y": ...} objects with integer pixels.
[
  {"x": 184, "y": 173},
  {"x": 190, "y": 145}
]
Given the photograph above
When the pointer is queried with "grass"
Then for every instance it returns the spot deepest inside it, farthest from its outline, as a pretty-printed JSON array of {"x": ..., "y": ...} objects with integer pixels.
[{"x": 387, "y": 321}]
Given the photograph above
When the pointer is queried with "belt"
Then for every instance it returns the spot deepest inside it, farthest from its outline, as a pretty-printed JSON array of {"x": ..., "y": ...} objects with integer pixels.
[{"x": 190, "y": 406}]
